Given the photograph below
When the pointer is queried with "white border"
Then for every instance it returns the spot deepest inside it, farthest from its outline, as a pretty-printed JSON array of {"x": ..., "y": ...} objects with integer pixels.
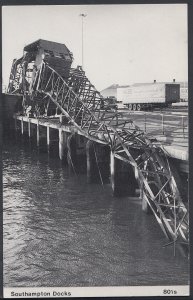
[{"x": 56, "y": 292}]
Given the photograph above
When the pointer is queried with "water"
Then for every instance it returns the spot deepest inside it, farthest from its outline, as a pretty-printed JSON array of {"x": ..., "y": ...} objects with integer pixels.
[{"x": 61, "y": 231}]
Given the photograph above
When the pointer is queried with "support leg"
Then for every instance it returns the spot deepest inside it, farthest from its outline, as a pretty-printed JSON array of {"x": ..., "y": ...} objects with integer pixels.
[
  {"x": 38, "y": 134},
  {"x": 22, "y": 126},
  {"x": 72, "y": 153},
  {"x": 29, "y": 129},
  {"x": 48, "y": 136},
  {"x": 61, "y": 144}
]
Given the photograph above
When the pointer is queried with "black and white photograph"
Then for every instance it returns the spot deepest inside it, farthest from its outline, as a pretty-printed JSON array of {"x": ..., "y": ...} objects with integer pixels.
[{"x": 95, "y": 157}]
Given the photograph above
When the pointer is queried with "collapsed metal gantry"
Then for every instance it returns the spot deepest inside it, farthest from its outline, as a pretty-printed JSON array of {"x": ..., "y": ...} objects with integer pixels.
[{"x": 84, "y": 107}]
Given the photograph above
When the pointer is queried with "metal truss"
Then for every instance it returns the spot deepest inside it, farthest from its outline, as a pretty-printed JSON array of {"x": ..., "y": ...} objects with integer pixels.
[
  {"x": 82, "y": 104},
  {"x": 15, "y": 77},
  {"x": 85, "y": 108}
]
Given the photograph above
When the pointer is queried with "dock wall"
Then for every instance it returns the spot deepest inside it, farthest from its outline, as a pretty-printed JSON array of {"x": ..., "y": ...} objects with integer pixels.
[{"x": 9, "y": 105}]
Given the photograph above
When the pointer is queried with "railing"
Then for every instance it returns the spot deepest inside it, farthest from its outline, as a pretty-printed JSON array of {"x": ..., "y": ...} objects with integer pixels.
[{"x": 162, "y": 124}]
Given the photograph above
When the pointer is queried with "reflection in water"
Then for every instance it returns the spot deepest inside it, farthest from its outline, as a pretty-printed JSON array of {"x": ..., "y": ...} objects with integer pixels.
[{"x": 61, "y": 231}]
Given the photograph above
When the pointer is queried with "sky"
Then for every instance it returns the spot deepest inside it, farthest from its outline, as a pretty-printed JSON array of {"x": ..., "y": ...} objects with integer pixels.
[{"x": 123, "y": 44}]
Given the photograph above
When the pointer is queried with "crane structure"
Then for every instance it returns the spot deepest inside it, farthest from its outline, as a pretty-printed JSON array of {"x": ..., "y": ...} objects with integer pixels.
[{"x": 50, "y": 85}]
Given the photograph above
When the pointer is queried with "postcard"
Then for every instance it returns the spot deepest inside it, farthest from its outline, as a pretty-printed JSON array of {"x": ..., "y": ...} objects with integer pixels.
[{"x": 95, "y": 150}]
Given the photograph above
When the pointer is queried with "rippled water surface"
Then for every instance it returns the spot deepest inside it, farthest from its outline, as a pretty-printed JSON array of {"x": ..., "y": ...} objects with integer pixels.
[{"x": 61, "y": 231}]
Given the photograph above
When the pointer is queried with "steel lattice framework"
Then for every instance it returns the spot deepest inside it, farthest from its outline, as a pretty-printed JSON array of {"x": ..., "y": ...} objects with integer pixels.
[
  {"x": 80, "y": 102},
  {"x": 15, "y": 77}
]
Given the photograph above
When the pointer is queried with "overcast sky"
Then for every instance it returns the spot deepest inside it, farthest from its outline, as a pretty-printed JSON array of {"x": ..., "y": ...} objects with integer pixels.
[{"x": 122, "y": 43}]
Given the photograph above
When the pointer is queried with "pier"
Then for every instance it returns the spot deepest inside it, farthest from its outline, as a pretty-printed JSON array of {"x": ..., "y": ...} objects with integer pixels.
[
  {"x": 131, "y": 150},
  {"x": 95, "y": 150},
  {"x": 55, "y": 128},
  {"x": 73, "y": 147},
  {"x": 96, "y": 158}
]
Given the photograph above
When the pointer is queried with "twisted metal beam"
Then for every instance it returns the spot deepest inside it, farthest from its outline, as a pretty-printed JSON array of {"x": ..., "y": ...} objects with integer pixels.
[{"x": 82, "y": 107}]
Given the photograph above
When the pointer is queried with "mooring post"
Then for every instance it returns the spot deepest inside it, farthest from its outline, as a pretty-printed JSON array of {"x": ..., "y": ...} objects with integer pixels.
[
  {"x": 38, "y": 133},
  {"x": 22, "y": 126},
  {"x": 61, "y": 144},
  {"x": 122, "y": 177},
  {"x": 29, "y": 128}
]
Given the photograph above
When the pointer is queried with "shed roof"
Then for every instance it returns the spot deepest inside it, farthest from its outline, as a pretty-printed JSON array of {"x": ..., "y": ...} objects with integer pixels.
[{"x": 47, "y": 45}]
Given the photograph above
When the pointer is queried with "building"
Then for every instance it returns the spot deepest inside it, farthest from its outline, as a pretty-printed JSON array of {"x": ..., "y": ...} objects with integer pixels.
[
  {"x": 111, "y": 91},
  {"x": 183, "y": 91}
]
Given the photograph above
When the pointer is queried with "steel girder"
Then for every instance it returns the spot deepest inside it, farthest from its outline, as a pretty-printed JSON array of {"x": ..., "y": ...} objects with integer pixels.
[{"x": 79, "y": 101}]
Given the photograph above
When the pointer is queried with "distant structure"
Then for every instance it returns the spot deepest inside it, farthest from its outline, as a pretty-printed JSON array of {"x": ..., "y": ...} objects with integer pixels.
[
  {"x": 183, "y": 91},
  {"x": 111, "y": 91}
]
